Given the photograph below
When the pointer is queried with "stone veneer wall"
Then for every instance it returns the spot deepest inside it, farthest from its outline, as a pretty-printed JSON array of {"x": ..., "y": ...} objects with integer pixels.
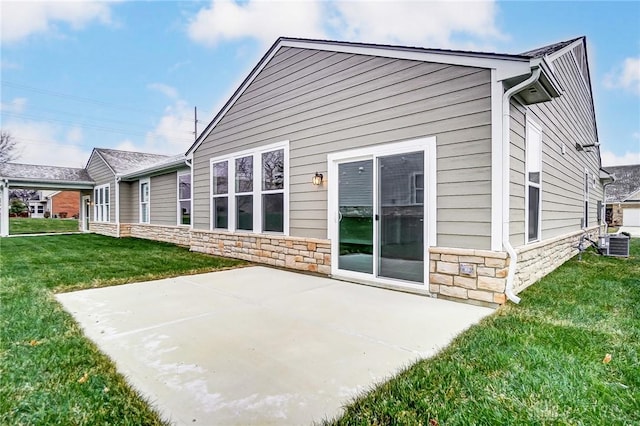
[
  {"x": 104, "y": 228},
  {"x": 473, "y": 276},
  {"x": 302, "y": 254},
  {"x": 179, "y": 235},
  {"x": 539, "y": 259}
]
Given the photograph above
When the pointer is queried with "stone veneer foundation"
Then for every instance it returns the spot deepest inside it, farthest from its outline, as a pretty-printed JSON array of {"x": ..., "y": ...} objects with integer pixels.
[{"x": 472, "y": 276}]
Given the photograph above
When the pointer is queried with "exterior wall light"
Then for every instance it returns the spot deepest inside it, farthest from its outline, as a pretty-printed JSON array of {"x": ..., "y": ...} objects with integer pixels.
[{"x": 317, "y": 179}]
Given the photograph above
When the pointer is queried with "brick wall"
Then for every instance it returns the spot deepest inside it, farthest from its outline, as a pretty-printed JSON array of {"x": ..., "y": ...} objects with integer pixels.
[{"x": 66, "y": 201}]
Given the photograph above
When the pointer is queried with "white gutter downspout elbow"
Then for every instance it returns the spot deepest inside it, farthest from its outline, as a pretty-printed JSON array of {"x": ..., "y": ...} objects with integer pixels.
[{"x": 506, "y": 128}]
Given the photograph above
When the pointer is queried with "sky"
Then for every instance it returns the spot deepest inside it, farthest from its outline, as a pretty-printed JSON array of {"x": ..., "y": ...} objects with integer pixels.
[{"x": 128, "y": 75}]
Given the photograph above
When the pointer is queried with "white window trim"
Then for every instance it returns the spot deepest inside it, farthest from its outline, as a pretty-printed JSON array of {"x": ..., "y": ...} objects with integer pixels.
[
  {"x": 178, "y": 208},
  {"x": 98, "y": 209},
  {"x": 257, "y": 189},
  {"x": 140, "y": 202},
  {"x": 529, "y": 123}
]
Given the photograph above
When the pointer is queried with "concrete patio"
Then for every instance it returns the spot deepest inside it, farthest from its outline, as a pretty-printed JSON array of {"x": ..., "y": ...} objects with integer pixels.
[{"x": 259, "y": 345}]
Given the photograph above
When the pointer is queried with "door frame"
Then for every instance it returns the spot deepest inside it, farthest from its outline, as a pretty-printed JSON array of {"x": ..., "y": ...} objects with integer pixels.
[
  {"x": 426, "y": 145},
  {"x": 85, "y": 203}
]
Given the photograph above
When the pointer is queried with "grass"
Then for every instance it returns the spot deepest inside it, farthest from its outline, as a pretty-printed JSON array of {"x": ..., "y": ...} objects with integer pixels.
[
  {"x": 539, "y": 362},
  {"x": 18, "y": 226},
  {"x": 49, "y": 372}
]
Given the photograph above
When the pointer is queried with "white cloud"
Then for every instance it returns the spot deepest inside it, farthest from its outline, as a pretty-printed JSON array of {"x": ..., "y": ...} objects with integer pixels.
[
  {"x": 611, "y": 159},
  {"x": 423, "y": 23},
  {"x": 16, "y": 105},
  {"x": 25, "y": 18},
  {"x": 43, "y": 143},
  {"x": 172, "y": 135},
  {"x": 625, "y": 76},
  {"x": 261, "y": 20},
  {"x": 168, "y": 91}
]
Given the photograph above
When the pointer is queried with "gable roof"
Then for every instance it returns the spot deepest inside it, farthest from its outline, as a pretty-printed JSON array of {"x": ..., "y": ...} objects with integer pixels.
[
  {"x": 32, "y": 174},
  {"x": 508, "y": 66},
  {"x": 626, "y": 184},
  {"x": 122, "y": 162},
  {"x": 549, "y": 49}
]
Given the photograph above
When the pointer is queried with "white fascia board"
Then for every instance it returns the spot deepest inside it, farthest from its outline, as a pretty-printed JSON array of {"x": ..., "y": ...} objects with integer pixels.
[
  {"x": 555, "y": 55},
  {"x": 43, "y": 184},
  {"x": 507, "y": 66}
]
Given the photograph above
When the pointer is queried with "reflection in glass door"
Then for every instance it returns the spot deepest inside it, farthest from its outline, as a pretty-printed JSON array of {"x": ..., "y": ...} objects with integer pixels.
[
  {"x": 401, "y": 216},
  {"x": 355, "y": 216}
]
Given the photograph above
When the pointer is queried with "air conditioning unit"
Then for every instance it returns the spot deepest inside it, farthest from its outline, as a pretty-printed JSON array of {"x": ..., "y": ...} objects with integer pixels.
[{"x": 615, "y": 245}]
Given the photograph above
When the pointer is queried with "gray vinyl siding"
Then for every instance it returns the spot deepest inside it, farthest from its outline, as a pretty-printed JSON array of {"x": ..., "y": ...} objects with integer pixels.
[
  {"x": 101, "y": 175},
  {"x": 566, "y": 120},
  {"x": 325, "y": 102},
  {"x": 128, "y": 204},
  {"x": 164, "y": 199}
]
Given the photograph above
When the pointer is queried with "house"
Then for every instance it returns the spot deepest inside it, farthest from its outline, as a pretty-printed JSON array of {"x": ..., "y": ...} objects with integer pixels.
[
  {"x": 456, "y": 174},
  {"x": 623, "y": 197},
  {"x": 64, "y": 204}
]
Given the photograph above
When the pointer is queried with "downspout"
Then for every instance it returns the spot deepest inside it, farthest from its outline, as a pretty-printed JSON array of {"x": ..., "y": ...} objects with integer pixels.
[
  {"x": 189, "y": 163},
  {"x": 118, "y": 179},
  {"x": 506, "y": 127}
]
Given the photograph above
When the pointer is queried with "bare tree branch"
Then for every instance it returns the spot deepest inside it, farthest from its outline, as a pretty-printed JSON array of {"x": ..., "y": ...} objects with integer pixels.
[{"x": 8, "y": 147}]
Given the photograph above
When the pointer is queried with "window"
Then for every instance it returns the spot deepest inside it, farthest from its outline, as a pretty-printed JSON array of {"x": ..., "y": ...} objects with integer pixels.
[
  {"x": 244, "y": 193},
  {"x": 417, "y": 188},
  {"x": 184, "y": 198},
  {"x": 220, "y": 189},
  {"x": 585, "y": 216},
  {"x": 533, "y": 180},
  {"x": 40, "y": 209},
  {"x": 101, "y": 203},
  {"x": 144, "y": 201},
  {"x": 256, "y": 199},
  {"x": 273, "y": 191}
]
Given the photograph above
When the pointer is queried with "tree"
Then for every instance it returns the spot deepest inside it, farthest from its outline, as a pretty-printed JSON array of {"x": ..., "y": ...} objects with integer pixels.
[
  {"x": 23, "y": 195},
  {"x": 8, "y": 147}
]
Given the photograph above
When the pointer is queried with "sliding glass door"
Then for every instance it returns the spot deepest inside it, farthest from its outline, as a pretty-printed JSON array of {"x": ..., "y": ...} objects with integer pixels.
[{"x": 380, "y": 214}]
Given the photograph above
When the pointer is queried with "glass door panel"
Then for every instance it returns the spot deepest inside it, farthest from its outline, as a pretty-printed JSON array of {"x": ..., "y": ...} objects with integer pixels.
[
  {"x": 355, "y": 215},
  {"x": 401, "y": 216}
]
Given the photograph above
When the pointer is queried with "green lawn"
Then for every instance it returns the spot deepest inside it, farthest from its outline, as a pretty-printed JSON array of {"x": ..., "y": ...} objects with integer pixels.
[
  {"x": 540, "y": 362},
  {"x": 49, "y": 372},
  {"x": 19, "y": 226}
]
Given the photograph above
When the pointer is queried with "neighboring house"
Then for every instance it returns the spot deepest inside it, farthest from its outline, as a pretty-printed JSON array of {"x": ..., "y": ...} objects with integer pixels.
[
  {"x": 463, "y": 175},
  {"x": 623, "y": 197},
  {"x": 39, "y": 204},
  {"x": 64, "y": 204}
]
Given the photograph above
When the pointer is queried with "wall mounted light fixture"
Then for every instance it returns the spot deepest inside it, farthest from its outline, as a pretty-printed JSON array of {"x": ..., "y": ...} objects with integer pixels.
[{"x": 317, "y": 179}]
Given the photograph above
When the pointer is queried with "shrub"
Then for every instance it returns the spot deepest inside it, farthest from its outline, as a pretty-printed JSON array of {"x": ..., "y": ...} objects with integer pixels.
[{"x": 47, "y": 214}]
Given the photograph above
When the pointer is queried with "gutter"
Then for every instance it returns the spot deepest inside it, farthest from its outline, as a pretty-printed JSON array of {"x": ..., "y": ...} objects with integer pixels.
[
  {"x": 506, "y": 127},
  {"x": 118, "y": 179},
  {"x": 189, "y": 162}
]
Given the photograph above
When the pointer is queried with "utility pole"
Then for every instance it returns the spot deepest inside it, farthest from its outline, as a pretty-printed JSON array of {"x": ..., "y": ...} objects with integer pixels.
[{"x": 195, "y": 123}]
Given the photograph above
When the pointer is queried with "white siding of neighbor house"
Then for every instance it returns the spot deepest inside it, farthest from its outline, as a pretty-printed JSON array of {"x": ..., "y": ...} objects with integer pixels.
[
  {"x": 325, "y": 102},
  {"x": 101, "y": 174},
  {"x": 565, "y": 121}
]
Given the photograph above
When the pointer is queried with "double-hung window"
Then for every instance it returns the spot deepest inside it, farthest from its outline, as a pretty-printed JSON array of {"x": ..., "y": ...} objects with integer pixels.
[
  {"x": 145, "y": 196},
  {"x": 417, "y": 188},
  {"x": 533, "y": 180},
  {"x": 244, "y": 193},
  {"x": 184, "y": 198},
  {"x": 101, "y": 199},
  {"x": 248, "y": 190}
]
